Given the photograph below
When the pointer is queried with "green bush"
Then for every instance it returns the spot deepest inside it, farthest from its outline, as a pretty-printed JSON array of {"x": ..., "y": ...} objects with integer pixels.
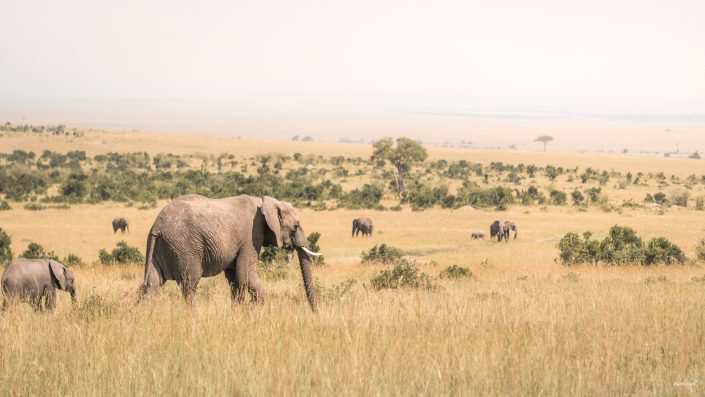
[
  {"x": 36, "y": 251},
  {"x": 383, "y": 254},
  {"x": 661, "y": 251},
  {"x": 123, "y": 254},
  {"x": 558, "y": 197},
  {"x": 5, "y": 251},
  {"x": 622, "y": 246},
  {"x": 73, "y": 260},
  {"x": 575, "y": 251},
  {"x": 368, "y": 197},
  {"x": 4, "y": 206},
  {"x": 455, "y": 271},
  {"x": 313, "y": 246},
  {"x": 578, "y": 198},
  {"x": 404, "y": 275},
  {"x": 680, "y": 198},
  {"x": 34, "y": 207}
]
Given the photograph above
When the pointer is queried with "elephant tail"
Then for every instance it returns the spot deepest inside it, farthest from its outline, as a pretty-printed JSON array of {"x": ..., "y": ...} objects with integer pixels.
[{"x": 152, "y": 279}]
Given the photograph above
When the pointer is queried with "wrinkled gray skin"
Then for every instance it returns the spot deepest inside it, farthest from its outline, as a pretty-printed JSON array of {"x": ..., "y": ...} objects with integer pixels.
[
  {"x": 476, "y": 235},
  {"x": 501, "y": 230},
  {"x": 32, "y": 280},
  {"x": 120, "y": 223},
  {"x": 194, "y": 237},
  {"x": 363, "y": 225}
]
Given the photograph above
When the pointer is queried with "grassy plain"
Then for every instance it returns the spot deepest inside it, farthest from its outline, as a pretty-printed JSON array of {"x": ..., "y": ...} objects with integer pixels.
[{"x": 524, "y": 325}]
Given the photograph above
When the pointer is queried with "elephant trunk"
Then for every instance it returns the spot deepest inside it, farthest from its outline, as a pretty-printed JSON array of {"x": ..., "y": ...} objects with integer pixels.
[
  {"x": 73, "y": 296},
  {"x": 305, "y": 263}
]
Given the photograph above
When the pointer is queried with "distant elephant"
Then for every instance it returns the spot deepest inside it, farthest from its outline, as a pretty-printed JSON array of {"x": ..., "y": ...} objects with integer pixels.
[
  {"x": 501, "y": 230},
  {"x": 120, "y": 223},
  {"x": 32, "y": 280},
  {"x": 194, "y": 237},
  {"x": 363, "y": 225},
  {"x": 478, "y": 234}
]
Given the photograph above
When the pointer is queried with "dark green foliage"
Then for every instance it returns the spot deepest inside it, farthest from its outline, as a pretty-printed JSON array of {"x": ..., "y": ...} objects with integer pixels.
[
  {"x": 36, "y": 251},
  {"x": 576, "y": 250},
  {"x": 404, "y": 275},
  {"x": 455, "y": 271},
  {"x": 313, "y": 246},
  {"x": 578, "y": 198},
  {"x": 472, "y": 194},
  {"x": 5, "y": 251},
  {"x": 73, "y": 260},
  {"x": 368, "y": 197},
  {"x": 383, "y": 254},
  {"x": 661, "y": 251},
  {"x": 621, "y": 247},
  {"x": 74, "y": 189},
  {"x": 34, "y": 207},
  {"x": 558, "y": 197},
  {"x": 595, "y": 194},
  {"x": 422, "y": 196},
  {"x": 660, "y": 198},
  {"x": 4, "y": 206},
  {"x": 123, "y": 254}
]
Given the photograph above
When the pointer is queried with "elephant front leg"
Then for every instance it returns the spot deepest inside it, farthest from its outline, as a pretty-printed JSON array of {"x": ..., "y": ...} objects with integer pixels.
[
  {"x": 246, "y": 269},
  {"x": 50, "y": 295},
  {"x": 237, "y": 289}
]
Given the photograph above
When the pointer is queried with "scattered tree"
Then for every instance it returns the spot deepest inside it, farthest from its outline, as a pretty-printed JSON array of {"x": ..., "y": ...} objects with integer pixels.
[
  {"x": 406, "y": 152},
  {"x": 545, "y": 139}
]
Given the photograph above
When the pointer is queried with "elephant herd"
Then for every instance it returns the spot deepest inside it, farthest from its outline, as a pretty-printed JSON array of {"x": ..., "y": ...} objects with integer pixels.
[{"x": 194, "y": 237}]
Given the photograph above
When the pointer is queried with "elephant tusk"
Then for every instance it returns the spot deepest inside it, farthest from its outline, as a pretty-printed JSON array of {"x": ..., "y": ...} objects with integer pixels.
[{"x": 308, "y": 251}]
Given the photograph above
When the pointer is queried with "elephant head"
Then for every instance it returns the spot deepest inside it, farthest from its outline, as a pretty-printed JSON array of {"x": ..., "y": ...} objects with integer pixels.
[
  {"x": 496, "y": 230},
  {"x": 286, "y": 232},
  {"x": 64, "y": 278}
]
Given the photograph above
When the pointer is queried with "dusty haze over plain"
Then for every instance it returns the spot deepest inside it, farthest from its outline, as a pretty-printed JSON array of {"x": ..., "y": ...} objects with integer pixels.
[{"x": 595, "y": 75}]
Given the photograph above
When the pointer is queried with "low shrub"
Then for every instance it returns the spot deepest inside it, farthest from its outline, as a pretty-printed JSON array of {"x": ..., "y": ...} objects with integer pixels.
[
  {"x": 36, "y": 251},
  {"x": 405, "y": 274},
  {"x": 700, "y": 250},
  {"x": 335, "y": 292},
  {"x": 5, "y": 251},
  {"x": 661, "y": 251},
  {"x": 73, "y": 260},
  {"x": 383, "y": 254},
  {"x": 313, "y": 246},
  {"x": 123, "y": 254},
  {"x": 621, "y": 247},
  {"x": 558, "y": 197},
  {"x": 34, "y": 207},
  {"x": 4, "y": 206},
  {"x": 455, "y": 271}
]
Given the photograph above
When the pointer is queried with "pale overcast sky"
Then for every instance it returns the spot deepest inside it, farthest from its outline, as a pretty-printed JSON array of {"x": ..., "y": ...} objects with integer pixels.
[{"x": 628, "y": 56}]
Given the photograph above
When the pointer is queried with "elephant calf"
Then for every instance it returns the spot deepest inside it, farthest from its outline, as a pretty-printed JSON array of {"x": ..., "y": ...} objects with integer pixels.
[
  {"x": 476, "y": 235},
  {"x": 32, "y": 280}
]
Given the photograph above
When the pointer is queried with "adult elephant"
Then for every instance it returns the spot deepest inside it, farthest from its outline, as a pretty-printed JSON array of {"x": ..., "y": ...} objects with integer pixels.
[
  {"x": 194, "y": 237},
  {"x": 363, "y": 225},
  {"x": 34, "y": 280},
  {"x": 122, "y": 224},
  {"x": 501, "y": 229}
]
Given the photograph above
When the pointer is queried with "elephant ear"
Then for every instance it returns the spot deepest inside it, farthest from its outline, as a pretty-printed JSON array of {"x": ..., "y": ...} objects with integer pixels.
[
  {"x": 58, "y": 270},
  {"x": 272, "y": 215}
]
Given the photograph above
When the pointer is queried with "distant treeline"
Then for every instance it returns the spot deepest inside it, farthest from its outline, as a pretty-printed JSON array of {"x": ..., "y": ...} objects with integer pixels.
[{"x": 306, "y": 181}]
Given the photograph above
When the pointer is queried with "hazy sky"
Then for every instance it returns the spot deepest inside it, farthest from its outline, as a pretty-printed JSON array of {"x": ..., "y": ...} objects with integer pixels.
[{"x": 629, "y": 56}]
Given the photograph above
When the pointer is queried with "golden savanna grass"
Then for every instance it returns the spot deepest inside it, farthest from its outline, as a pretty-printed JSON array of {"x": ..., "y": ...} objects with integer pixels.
[{"x": 524, "y": 325}]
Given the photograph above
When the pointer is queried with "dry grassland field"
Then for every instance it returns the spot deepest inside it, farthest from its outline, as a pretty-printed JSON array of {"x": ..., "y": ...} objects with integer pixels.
[{"x": 523, "y": 324}]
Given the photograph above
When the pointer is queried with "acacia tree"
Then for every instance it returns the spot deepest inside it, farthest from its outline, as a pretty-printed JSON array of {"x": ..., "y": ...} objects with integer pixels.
[
  {"x": 401, "y": 156},
  {"x": 545, "y": 139}
]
